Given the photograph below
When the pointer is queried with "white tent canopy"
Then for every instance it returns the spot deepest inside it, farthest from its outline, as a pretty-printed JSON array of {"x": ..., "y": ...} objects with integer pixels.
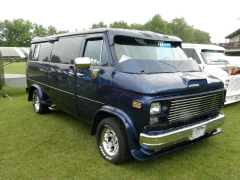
[
  {"x": 12, "y": 80},
  {"x": 17, "y": 52}
]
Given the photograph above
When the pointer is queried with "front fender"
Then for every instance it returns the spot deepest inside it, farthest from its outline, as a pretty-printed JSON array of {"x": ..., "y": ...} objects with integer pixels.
[{"x": 132, "y": 135}]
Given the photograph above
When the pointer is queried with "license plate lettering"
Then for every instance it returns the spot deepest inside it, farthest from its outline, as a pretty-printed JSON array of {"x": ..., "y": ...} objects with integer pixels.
[{"x": 197, "y": 132}]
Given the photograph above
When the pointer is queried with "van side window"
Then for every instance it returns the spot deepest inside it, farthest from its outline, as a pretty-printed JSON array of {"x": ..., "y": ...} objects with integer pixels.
[
  {"x": 192, "y": 53},
  {"x": 35, "y": 52},
  {"x": 66, "y": 50},
  {"x": 96, "y": 50},
  {"x": 105, "y": 58},
  {"x": 44, "y": 54}
]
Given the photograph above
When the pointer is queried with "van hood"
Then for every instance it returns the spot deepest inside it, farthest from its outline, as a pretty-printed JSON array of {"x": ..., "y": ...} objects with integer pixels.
[{"x": 167, "y": 83}]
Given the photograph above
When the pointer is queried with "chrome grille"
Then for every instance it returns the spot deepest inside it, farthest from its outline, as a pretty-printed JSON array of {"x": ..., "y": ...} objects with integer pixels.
[{"x": 189, "y": 107}]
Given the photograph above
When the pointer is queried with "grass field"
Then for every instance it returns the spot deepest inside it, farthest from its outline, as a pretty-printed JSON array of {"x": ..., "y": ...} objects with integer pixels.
[
  {"x": 59, "y": 146},
  {"x": 15, "y": 68}
]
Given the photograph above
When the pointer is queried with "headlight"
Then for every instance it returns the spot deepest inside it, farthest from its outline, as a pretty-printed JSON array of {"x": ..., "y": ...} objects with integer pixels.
[{"x": 155, "y": 108}]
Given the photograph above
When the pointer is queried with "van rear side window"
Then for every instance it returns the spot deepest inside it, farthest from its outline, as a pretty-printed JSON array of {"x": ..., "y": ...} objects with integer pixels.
[
  {"x": 66, "y": 50},
  {"x": 44, "y": 54},
  {"x": 35, "y": 53}
]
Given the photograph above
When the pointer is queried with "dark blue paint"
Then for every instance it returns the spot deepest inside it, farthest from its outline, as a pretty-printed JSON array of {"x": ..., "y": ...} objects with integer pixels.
[{"x": 114, "y": 91}]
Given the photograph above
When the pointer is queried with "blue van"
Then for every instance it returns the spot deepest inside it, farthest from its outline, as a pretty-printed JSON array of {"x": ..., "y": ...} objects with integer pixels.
[{"x": 138, "y": 90}]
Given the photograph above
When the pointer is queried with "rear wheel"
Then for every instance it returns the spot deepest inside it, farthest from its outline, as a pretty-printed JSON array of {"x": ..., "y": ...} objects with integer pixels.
[
  {"x": 112, "y": 141},
  {"x": 38, "y": 107}
]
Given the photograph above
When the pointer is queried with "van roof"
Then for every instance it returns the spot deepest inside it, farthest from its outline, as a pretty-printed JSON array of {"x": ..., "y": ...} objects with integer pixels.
[
  {"x": 202, "y": 46},
  {"x": 111, "y": 33}
]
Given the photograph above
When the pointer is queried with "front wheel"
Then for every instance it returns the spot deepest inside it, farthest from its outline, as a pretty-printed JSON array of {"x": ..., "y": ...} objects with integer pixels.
[
  {"x": 112, "y": 141},
  {"x": 38, "y": 107}
]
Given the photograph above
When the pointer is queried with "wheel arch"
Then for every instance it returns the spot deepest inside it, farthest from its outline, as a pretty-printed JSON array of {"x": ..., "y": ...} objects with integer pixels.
[
  {"x": 109, "y": 111},
  {"x": 44, "y": 98}
]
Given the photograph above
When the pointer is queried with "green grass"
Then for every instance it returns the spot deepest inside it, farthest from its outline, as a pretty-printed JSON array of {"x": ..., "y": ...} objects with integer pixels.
[
  {"x": 15, "y": 68},
  {"x": 59, "y": 146}
]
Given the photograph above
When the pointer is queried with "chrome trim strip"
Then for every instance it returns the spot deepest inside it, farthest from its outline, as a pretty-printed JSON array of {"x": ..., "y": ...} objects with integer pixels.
[
  {"x": 200, "y": 97},
  {"x": 157, "y": 142},
  {"x": 193, "y": 103},
  {"x": 89, "y": 99},
  {"x": 65, "y": 91}
]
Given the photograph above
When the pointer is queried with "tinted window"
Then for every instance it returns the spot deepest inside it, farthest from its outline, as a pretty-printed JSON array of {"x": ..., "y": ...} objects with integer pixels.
[
  {"x": 44, "y": 54},
  {"x": 105, "y": 58},
  {"x": 35, "y": 51},
  {"x": 66, "y": 50},
  {"x": 97, "y": 52}
]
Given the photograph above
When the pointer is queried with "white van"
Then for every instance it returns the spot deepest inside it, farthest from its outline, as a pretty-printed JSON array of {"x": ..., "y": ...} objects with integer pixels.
[{"x": 213, "y": 60}]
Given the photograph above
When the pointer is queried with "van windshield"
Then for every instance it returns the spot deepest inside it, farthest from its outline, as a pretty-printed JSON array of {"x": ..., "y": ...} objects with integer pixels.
[
  {"x": 214, "y": 57},
  {"x": 152, "y": 56},
  {"x": 144, "y": 49}
]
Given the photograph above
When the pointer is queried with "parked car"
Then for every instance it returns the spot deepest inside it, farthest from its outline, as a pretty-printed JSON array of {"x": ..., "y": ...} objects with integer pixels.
[
  {"x": 213, "y": 60},
  {"x": 138, "y": 90}
]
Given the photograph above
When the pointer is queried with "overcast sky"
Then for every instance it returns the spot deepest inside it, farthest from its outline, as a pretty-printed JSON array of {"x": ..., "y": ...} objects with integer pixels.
[{"x": 218, "y": 18}]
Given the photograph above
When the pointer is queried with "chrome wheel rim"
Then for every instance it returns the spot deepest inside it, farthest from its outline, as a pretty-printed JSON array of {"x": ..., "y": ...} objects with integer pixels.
[
  {"x": 110, "y": 141},
  {"x": 36, "y": 102}
]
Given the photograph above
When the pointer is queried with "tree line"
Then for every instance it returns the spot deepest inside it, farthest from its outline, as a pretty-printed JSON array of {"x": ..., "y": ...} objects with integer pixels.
[{"x": 19, "y": 32}]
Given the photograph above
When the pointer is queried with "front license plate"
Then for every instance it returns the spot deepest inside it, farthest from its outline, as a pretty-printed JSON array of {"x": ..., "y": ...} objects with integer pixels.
[{"x": 197, "y": 132}]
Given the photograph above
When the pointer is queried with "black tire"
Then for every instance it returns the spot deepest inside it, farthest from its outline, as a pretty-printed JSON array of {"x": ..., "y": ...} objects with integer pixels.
[
  {"x": 38, "y": 107},
  {"x": 112, "y": 141}
]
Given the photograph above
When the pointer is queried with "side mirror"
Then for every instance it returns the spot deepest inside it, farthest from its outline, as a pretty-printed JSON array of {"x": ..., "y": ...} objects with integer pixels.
[{"x": 82, "y": 63}]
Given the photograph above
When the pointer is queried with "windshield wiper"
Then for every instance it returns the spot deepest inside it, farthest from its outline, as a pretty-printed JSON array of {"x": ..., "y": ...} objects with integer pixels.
[{"x": 170, "y": 65}]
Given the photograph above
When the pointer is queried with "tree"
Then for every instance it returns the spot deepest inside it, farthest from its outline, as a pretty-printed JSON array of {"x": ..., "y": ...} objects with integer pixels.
[
  {"x": 157, "y": 24},
  {"x": 180, "y": 28},
  {"x": 177, "y": 27},
  {"x": 99, "y": 25},
  {"x": 120, "y": 24},
  {"x": 16, "y": 33},
  {"x": 51, "y": 30},
  {"x": 19, "y": 32},
  {"x": 201, "y": 37},
  {"x": 61, "y": 32},
  {"x": 137, "y": 26},
  {"x": 39, "y": 30}
]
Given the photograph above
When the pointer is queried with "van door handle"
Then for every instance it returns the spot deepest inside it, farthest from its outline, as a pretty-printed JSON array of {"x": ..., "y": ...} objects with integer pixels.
[
  {"x": 71, "y": 71},
  {"x": 80, "y": 75}
]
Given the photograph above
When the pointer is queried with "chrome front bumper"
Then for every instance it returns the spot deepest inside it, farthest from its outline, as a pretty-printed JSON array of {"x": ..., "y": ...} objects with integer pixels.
[{"x": 157, "y": 142}]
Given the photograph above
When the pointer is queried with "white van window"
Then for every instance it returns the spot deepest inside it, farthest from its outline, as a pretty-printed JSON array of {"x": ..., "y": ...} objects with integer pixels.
[
  {"x": 192, "y": 53},
  {"x": 213, "y": 56}
]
